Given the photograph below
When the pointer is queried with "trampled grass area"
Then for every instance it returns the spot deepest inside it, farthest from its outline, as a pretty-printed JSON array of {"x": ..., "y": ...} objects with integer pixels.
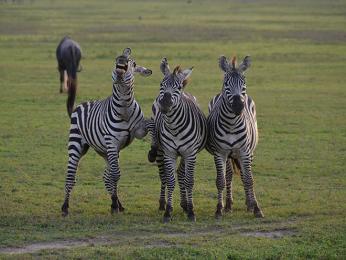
[{"x": 296, "y": 79}]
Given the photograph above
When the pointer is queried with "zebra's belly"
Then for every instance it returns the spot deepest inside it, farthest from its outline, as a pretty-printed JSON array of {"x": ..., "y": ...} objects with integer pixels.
[
  {"x": 175, "y": 147},
  {"x": 95, "y": 138}
]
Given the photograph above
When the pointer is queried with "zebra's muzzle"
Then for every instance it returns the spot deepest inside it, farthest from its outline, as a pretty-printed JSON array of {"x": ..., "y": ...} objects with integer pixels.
[
  {"x": 121, "y": 65},
  {"x": 165, "y": 103},
  {"x": 121, "y": 68}
]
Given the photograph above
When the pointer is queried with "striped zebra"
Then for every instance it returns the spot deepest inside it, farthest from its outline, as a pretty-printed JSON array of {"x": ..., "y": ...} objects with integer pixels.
[
  {"x": 233, "y": 135},
  {"x": 108, "y": 126},
  {"x": 179, "y": 130}
]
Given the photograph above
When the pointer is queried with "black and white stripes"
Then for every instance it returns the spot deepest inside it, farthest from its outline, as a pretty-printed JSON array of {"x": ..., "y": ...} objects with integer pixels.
[
  {"x": 180, "y": 131},
  {"x": 233, "y": 135},
  {"x": 107, "y": 126},
  {"x": 178, "y": 128}
]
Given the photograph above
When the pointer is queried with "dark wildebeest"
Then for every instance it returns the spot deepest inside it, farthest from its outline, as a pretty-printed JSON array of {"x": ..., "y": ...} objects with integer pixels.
[{"x": 68, "y": 55}]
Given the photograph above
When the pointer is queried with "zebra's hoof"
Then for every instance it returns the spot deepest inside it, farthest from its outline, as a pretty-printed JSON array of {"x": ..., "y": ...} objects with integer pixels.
[
  {"x": 152, "y": 154},
  {"x": 184, "y": 207},
  {"x": 191, "y": 217},
  {"x": 115, "y": 211},
  {"x": 228, "y": 207},
  {"x": 218, "y": 212},
  {"x": 218, "y": 215},
  {"x": 228, "y": 210},
  {"x": 166, "y": 219},
  {"x": 64, "y": 209},
  {"x": 258, "y": 213},
  {"x": 151, "y": 157},
  {"x": 121, "y": 208}
]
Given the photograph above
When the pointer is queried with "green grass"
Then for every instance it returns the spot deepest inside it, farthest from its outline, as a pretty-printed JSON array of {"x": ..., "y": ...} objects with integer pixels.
[{"x": 297, "y": 79}]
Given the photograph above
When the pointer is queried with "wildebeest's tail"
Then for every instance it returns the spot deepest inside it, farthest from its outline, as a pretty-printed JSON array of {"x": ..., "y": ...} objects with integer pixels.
[{"x": 71, "y": 81}]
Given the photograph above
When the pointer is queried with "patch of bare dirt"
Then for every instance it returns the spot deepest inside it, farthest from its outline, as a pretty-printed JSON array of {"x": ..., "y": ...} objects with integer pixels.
[
  {"x": 155, "y": 240},
  {"x": 275, "y": 234}
]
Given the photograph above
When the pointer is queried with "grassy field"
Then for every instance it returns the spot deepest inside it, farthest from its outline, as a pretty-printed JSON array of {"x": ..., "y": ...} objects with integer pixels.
[{"x": 297, "y": 79}]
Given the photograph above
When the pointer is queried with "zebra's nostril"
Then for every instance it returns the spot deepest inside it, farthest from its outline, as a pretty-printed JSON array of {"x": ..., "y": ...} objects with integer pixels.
[
  {"x": 166, "y": 99},
  {"x": 167, "y": 96},
  {"x": 237, "y": 105}
]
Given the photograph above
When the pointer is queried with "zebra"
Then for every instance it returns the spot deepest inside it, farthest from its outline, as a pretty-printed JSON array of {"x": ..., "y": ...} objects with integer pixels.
[
  {"x": 108, "y": 126},
  {"x": 179, "y": 130},
  {"x": 68, "y": 55},
  {"x": 233, "y": 135}
]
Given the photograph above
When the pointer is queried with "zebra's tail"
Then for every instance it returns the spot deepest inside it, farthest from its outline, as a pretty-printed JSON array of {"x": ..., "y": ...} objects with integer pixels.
[
  {"x": 71, "y": 82},
  {"x": 236, "y": 166}
]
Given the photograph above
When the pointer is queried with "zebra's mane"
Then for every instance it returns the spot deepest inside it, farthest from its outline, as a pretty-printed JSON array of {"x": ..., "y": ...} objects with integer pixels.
[{"x": 177, "y": 70}]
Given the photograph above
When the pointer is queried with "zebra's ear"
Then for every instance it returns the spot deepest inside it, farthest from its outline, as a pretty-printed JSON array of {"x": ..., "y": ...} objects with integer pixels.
[
  {"x": 127, "y": 52},
  {"x": 223, "y": 63},
  {"x": 164, "y": 67},
  {"x": 143, "y": 71},
  {"x": 186, "y": 75},
  {"x": 245, "y": 64}
]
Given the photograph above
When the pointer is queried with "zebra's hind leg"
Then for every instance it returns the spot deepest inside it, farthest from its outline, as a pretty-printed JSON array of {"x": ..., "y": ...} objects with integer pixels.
[
  {"x": 229, "y": 175},
  {"x": 220, "y": 183},
  {"x": 181, "y": 181},
  {"x": 189, "y": 183},
  {"x": 247, "y": 179},
  {"x": 169, "y": 169},
  {"x": 76, "y": 149},
  {"x": 162, "y": 200},
  {"x": 61, "y": 76}
]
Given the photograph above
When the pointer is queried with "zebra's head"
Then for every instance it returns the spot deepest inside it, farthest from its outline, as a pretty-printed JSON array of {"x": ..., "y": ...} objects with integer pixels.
[
  {"x": 126, "y": 67},
  {"x": 234, "y": 85},
  {"x": 171, "y": 87}
]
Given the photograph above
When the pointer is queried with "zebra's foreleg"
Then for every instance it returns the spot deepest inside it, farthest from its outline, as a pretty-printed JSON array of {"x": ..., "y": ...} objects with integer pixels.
[
  {"x": 76, "y": 149},
  {"x": 220, "y": 182},
  {"x": 229, "y": 175},
  {"x": 114, "y": 175},
  {"x": 190, "y": 163},
  {"x": 181, "y": 181},
  {"x": 247, "y": 179},
  {"x": 162, "y": 200},
  {"x": 107, "y": 181},
  {"x": 169, "y": 168}
]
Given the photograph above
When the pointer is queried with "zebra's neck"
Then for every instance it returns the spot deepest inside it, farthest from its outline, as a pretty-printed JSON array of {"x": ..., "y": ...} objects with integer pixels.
[
  {"x": 175, "y": 116},
  {"x": 122, "y": 99}
]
